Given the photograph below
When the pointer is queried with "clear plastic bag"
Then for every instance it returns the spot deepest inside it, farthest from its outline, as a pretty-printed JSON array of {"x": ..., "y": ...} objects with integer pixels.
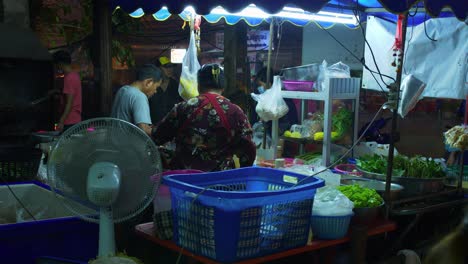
[
  {"x": 258, "y": 128},
  {"x": 339, "y": 70},
  {"x": 188, "y": 86},
  {"x": 270, "y": 104},
  {"x": 329, "y": 201},
  {"x": 411, "y": 90}
]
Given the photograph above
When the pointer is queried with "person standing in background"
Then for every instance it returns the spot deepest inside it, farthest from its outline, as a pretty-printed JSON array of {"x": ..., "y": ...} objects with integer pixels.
[
  {"x": 167, "y": 95},
  {"x": 208, "y": 129},
  {"x": 131, "y": 101},
  {"x": 71, "y": 90}
]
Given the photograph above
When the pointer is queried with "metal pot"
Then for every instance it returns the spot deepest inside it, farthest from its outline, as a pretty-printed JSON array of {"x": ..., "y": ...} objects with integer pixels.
[
  {"x": 45, "y": 136},
  {"x": 366, "y": 215},
  {"x": 379, "y": 186},
  {"x": 417, "y": 186},
  {"x": 412, "y": 186}
]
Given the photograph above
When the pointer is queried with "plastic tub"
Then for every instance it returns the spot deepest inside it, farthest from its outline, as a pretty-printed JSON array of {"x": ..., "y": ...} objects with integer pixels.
[
  {"x": 306, "y": 86},
  {"x": 330, "y": 227},
  {"x": 18, "y": 164},
  {"x": 56, "y": 232},
  {"x": 288, "y": 162},
  {"x": 244, "y": 213},
  {"x": 348, "y": 169}
]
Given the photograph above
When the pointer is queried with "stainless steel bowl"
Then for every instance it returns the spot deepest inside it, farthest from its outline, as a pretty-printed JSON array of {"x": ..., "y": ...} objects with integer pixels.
[
  {"x": 413, "y": 186},
  {"x": 366, "y": 215},
  {"x": 379, "y": 186}
]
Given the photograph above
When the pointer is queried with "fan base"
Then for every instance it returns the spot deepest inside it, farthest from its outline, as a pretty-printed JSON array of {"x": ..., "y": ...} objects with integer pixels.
[{"x": 114, "y": 260}]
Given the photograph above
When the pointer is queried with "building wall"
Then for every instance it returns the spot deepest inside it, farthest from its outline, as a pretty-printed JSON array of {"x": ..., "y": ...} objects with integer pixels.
[{"x": 317, "y": 45}]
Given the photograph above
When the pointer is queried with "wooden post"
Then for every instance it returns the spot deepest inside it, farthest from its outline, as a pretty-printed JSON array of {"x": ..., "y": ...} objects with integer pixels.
[
  {"x": 235, "y": 57},
  {"x": 103, "y": 69},
  {"x": 393, "y": 134}
]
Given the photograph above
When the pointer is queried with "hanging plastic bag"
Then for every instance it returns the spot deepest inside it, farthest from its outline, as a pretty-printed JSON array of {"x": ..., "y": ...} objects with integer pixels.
[
  {"x": 271, "y": 104},
  {"x": 188, "y": 86},
  {"x": 330, "y": 202},
  {"x": 411, "y": 90},
  {"x": 339, "y": 70}
]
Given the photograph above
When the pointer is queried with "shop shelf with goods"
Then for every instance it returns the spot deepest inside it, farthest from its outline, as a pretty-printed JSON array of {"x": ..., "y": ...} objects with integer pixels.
[{"x": 338, "y": 89}]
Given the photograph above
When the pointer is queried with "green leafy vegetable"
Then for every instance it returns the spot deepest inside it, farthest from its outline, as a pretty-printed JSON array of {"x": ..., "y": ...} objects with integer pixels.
[
  {"x": 361, "y": 196},
  {"x": 342, "y": 120},
  {"x": 415, "y": 167}
]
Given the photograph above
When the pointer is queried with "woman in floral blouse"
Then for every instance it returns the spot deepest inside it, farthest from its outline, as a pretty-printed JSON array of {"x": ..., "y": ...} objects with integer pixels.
[{"x": 208, "y": 129}]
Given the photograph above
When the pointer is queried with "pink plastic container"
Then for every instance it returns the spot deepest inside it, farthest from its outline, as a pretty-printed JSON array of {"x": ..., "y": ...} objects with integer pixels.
[
  {"x": 164, "y": 189},
  {"x": 348, "y": 169},
  {"x": 306, "y": 86}
]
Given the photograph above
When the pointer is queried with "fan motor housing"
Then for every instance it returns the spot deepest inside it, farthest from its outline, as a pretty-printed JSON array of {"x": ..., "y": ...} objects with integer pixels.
[{"x": 103, "y": 183}]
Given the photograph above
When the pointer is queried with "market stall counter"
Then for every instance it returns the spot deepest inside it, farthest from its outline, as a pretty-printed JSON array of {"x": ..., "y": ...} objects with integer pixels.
[{"x": 146, "y": 231}]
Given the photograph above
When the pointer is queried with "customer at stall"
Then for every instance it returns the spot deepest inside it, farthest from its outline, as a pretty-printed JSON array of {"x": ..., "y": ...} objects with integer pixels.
[
  {"x": 71, "y": 114},
  {"x": 260, "y": 84},
  {"x": 131, "y": 101},
  {"x": 168, "y": 93},
  {"x": 208, "y": 129}
]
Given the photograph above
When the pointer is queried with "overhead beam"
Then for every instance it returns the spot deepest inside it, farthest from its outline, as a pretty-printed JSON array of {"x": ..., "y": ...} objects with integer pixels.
[{"x": 412, "y": 10}]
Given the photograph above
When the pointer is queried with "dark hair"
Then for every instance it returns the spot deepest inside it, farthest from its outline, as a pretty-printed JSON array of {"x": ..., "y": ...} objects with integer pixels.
[
  {"x": 62, "y": 57},
  {"x": 148, "y": 71},
  {"x": 262, "y": 75},
  {"x": 210, "y": 77}
]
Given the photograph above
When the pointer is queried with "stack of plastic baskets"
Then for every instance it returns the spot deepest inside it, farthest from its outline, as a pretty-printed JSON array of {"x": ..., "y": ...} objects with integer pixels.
[
  {"x": 244, "y": 213},
  {"x": 330, "y": 227}
]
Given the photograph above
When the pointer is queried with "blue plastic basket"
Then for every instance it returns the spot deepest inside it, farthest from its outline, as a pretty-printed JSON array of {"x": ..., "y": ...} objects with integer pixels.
[
  {"x": 244, "y": 213},
  {"x": 330, "y": 227}
]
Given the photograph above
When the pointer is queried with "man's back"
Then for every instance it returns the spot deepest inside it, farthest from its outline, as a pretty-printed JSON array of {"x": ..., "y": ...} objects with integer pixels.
[{"x": 131, "y": 105}]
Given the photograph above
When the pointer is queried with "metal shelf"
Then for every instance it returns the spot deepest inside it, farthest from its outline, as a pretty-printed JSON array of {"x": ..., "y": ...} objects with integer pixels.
[{"x": 338, "y": 89}]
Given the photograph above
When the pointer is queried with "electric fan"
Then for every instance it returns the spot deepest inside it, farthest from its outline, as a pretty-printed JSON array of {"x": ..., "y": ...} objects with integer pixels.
[{"x": 101, "y": 170}]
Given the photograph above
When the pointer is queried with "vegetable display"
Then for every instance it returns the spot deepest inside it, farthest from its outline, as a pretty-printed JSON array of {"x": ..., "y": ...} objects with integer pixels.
[
  {"x": 315, "y": 157},
  {"x": 457, "y": 137},
  {"x": 313, "y": 127},
  {"x": 403, "y": 166},
  {"x": 342, "y": 120},
  {"x": 361, "y": 197}
]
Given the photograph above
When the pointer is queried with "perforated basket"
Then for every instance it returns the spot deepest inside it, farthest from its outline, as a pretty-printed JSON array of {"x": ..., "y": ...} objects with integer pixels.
[
  {"x": 243, "y": 213},
  {"x": 330, "y": 227},
  {"x": 19, "y": 163}
]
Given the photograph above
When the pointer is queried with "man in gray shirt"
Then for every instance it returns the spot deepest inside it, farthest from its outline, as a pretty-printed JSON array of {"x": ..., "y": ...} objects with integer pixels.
[{"x": 131, "y": 101}]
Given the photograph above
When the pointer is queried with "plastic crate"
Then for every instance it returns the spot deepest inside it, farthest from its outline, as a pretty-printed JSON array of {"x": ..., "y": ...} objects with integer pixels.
[
  {"x": 56, "y": 232},
  {"x": 243, "y": 213},
  {"x": 19, "y": 163},
  {"x": 308, "y": 72},
  {"x": 306, "y": 86},
  {"x": 330, "y": 227}
]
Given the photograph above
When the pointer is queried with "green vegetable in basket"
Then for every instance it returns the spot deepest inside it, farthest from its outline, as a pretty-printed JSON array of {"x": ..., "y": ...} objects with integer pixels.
[
  {"x": 415, "y": 167},
  {"x": 361, "y": 196}
]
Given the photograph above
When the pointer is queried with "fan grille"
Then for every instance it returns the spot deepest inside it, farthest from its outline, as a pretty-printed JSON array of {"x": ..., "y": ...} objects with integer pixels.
[{"x": 111, "y": 140}]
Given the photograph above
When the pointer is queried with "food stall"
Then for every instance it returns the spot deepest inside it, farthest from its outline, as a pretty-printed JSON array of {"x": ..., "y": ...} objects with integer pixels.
[
  {"x": 351, "y": 89},
  {"x": 269, "y": 216}
]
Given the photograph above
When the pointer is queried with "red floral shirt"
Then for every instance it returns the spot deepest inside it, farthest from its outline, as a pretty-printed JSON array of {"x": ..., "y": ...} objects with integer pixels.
[{"x": 202, "y": 139}]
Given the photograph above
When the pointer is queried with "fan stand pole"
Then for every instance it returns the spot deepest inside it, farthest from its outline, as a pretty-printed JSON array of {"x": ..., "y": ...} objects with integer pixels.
[{"x": 106, "y": 233}]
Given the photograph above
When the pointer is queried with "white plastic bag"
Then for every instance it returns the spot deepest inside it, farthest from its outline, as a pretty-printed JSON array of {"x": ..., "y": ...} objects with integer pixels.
[
  {"x": 339, "y": 70},
  {"x": 329, "y": 201},
  {"x": 271, "y": 104},
  {"x": 188, "y": 86},
  {"x": 411, "y": 91}
]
